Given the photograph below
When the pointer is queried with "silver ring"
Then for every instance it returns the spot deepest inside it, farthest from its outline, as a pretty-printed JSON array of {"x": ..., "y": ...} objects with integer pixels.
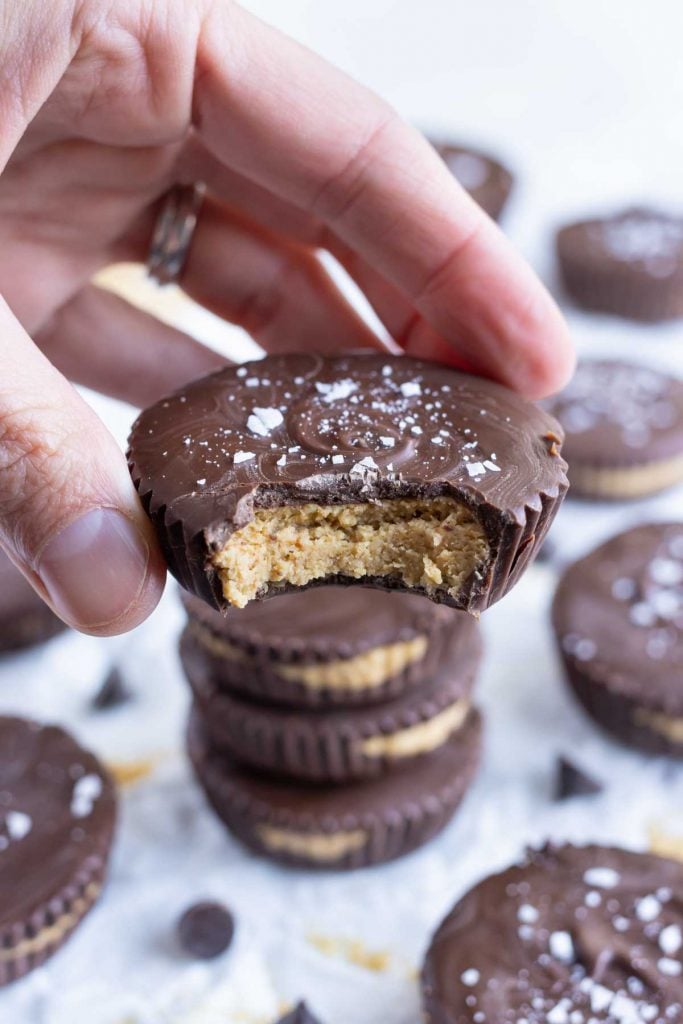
[{"x": 173, "y": 232}]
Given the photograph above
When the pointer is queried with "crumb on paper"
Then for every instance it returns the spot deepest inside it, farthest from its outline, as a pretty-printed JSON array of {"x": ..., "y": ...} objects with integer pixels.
[
  {"x": 664, "y": 844},
  {"x": 351, "y": 950},
  {"x": 128, "y": 773}
]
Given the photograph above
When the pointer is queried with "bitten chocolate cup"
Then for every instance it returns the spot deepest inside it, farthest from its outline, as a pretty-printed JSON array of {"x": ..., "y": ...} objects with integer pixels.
[
  {"x": 57, "y": 817},
  {"x": 25, "y": 620},
  {"x": 623, "y": 425},
  {"x": 338, "y": 827},
  {"x": 618, "y": 618},
  {"x": 300, "y": 470},
  {"x": 629, "y": 264},
  {"x": 332, "y": 646},
  {"x": 486, "y": 179},
  {"x": 341, "y": 744},
  {"x": 569, "y": 934}
]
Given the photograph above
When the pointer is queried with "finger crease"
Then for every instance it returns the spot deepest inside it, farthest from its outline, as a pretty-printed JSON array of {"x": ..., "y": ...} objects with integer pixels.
[
  {"x": 341, "y": 192},
  {"x": 443, "y": 271}
]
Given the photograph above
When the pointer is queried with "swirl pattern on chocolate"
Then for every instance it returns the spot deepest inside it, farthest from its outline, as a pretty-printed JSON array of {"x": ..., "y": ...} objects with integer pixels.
[
  {"x": 572, "y": 935},
  {"x": 300, "y": 428}
]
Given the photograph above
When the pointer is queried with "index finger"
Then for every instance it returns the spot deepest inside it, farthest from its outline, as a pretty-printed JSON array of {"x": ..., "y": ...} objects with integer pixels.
[{"x": 276, "y": 112}]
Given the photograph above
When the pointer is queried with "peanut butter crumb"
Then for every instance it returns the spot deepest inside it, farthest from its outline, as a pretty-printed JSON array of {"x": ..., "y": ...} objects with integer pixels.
[
  {"x": 351, "y": 950},
  {"x": 128, "y": 773},
  {"x": 664, "y": 844}
]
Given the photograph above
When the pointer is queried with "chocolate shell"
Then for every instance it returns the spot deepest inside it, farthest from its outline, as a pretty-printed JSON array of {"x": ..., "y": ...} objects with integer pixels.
[
  {"x": 338, "y": 827},
  {"x": 570, "y": 934},
  {"x": 293, "y": 430}
]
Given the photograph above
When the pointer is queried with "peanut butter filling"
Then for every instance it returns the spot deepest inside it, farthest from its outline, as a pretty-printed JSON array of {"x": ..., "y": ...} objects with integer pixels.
[
  {"x": 666, "y": 725},
  {"x": 421, "y": 738},
  {"x": 363, "y": 671},
  {"x": 627, "y": 482},
  {"x": 317, "y": 846},
  {"x": 52, "y": 934},
  {"x": 433, "y": 543}
]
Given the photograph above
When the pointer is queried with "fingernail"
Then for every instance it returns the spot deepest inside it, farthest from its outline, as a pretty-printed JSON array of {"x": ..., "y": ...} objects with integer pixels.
[{"x": 95, "y": 568}]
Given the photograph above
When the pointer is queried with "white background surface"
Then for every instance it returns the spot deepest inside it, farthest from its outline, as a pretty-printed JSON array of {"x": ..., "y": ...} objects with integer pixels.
[{"x": 584, "y": 100}]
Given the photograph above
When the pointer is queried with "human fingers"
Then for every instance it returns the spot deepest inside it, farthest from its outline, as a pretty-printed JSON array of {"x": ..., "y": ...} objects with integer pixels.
[
  {"x": 100, "y": 340},
  {"x": 275, "y": 112},
  {"x": 69, "y": 515}
]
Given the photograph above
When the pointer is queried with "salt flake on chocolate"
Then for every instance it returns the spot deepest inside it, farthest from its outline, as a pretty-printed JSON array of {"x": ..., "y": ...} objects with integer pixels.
[
  {"x": 85, "y": 792},
  {"x": 333, "y": 392},
  {"x": 262, "y": 421},
  {"x": 18, "y": 824},
  {"x": 365, "y": 465},
  {"x": 602, "y": 878}
]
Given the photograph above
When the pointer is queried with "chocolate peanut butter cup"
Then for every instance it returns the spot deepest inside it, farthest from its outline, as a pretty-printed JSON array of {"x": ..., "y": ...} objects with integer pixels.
[
  {"x": 328, "y": 646},
  {"x": 341, "y": 744},
  {"x": 57, "y": 815},
  {"x": 25, "y": 619},
  {"x": 571, "y": 935},
  {"x": 338, "y": 827},
  {"x": 485, "y": 178},
  {"x": 618, "y": 617},
  {"x": 630, "y": 264},
  {"x": 300, "y": 470},
  {"x": 623, "y": 425}
]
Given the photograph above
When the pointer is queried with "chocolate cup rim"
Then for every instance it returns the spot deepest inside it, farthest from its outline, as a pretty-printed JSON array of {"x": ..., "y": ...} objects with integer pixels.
[{"x": 385, "y": 829}]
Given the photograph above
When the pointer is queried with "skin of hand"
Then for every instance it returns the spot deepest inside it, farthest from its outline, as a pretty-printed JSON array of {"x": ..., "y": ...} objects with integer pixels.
[{"x": 104, "y": 105}]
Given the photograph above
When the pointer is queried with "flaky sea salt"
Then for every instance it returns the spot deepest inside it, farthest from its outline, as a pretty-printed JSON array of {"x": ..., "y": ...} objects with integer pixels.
[
  {"x": 470, "y": 976},
  {"x": 85, "y": 792},
  {"x": 670, "y": 940},
  {"x": 602, "y": 878},
  {"x": 262, "y": 421},
  {"x": 18, "y": 824}
]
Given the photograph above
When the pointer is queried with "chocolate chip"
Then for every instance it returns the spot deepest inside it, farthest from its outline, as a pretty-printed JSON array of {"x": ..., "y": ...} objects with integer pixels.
[
  {"x": 299, "y": 1015},
  {"x": 112, "y": 693},
  {"x": 206, "y": 929},
  {"x": 573, "y": 781}
]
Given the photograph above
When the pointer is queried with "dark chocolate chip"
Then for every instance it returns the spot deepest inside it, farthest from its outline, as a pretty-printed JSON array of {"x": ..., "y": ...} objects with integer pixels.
[
  {"x": 299, "y": 1015},
  {"x": 112, "y": 693},
  {"x": 574, "y": 781},
  {"x": 206, "y": 929}
]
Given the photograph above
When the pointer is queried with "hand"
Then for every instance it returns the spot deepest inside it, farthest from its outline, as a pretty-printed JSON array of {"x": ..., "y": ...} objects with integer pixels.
[{"x": 103, "y": 106}]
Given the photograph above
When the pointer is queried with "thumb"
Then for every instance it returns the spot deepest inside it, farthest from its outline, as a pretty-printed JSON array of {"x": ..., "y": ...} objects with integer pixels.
[{"x": 69, "y": 515}]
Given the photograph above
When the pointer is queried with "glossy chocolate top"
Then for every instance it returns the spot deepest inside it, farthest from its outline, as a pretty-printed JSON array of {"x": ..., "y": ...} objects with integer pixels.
[
  {"x": 57, "y": 811},
  {"x": 618, "y": 413},
  {"x": 328, "y": 622},
  {"x": 647, "y": 240},
  {"x": 299, "y": 428},
  {"x": 619, "y": 613},
  {"x": 570, "y": 936}
]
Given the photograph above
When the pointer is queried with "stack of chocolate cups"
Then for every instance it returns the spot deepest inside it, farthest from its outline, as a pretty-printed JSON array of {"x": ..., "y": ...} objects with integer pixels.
[{"x": 334, "y": 727}]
